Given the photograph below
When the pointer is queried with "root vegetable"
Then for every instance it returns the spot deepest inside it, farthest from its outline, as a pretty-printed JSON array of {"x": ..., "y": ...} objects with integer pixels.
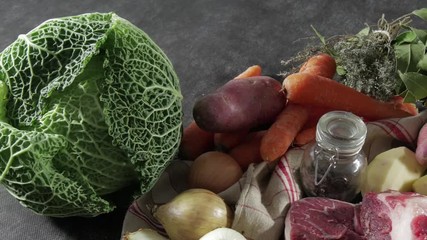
[
  {"x": 226, "y": 141},
  {"x": 195, "y": 141},
  {"x": 395, "y": 169},
  {"x": 240, "y": 104},
  {"x": 307, "y": 89},
  {"x": 248, "y": 151},
  {"x": 305, "y": 136},
  {"x": 251, "y": 71},
  {"x": 420, "y": 185},
  {"x": 283, "y": 131},
  {"x": 322, "y": 65},
  {"x": 421, "y": 151},
  {"x": 215, "y": 171}
]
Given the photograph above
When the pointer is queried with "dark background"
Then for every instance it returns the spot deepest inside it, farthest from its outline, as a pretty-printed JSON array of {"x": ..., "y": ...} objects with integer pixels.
[{"x": 208, "y": 42}]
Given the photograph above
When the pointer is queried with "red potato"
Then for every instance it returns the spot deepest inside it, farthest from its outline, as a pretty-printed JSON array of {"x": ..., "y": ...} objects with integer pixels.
[
  {"x": 240, "y": 104},
  {"x": 421, "y": 151},
  {"x": 226, "y": 141}
]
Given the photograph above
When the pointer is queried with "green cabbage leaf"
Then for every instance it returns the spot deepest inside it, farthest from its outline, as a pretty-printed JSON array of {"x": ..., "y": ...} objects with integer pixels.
[{"x": 88, "y": 105}]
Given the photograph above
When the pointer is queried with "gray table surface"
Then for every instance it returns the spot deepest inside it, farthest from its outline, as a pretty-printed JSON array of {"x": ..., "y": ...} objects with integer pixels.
[{"x": 209, "y": 42}]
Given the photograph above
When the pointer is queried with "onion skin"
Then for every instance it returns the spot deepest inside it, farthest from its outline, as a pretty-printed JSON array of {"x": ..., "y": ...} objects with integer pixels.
[
  {"x": 193, "y": 213},
  {"x": 223, "y": 234},
  {"x": 143, "y": 234}
]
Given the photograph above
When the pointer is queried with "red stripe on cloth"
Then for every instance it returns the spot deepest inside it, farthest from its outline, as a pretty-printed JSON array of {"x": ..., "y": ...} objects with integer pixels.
[
  {"x": 254, "y": 209},
  {"x": 286, "y": 189},
  {"x": 410, "y": 137},
  {"x": 297, "y": 191},
  {"x": 289, "y": 181},
  {"x": 394, "y": 129},
  {"x": 136, "y": 210}
]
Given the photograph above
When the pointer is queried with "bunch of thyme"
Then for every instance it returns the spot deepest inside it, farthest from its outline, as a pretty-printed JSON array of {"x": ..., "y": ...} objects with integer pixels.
[{"x": 365, "y": 61}]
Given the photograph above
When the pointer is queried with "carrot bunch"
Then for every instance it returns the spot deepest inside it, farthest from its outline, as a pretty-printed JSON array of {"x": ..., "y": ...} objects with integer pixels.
[
  {"x": 310, "y": 93},
  {"x": 297, "y": 122}
]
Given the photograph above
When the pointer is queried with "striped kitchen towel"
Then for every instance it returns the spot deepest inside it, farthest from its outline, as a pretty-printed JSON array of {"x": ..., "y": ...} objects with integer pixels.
[{"x": 263, "y": 195}]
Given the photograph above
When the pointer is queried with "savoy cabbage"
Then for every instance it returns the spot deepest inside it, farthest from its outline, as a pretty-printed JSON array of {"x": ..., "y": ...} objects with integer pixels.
[{"x": 88, "y": 104}]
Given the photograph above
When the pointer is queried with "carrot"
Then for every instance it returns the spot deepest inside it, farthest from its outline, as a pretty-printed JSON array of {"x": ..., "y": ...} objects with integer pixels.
[
  {"x": 407, "y": 107},
  {"x": 283, "y": 131},
  {"x": 322, "y": 65},
  {"x": 195, "y": 141},
  {"x": 314, "y": 115},
  {"x": 305, "y": 136},
  {"x": 251, "y": 71},
  {"x": 308, "y": 89},
  {"x": 226, "y": 141},
  {"x": 248, "y": 151}
]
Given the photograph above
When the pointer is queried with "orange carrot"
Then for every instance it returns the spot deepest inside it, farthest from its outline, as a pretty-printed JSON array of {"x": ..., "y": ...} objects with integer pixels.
[
  {"x": 322, "y": 65},
  {"x": 226, "y": 141},
  {"x": 251, "y": 71},
  {"x": 305, "y": 136},
  {"x": 308, "y": 89},
  {"x": 407, "y": 107},
  {"x": 314, "y": 115},
  {"x": 248, "y": 151},
  {"x": 410, "y": 108},
  {"x": 195, "y": 141},
  {"x": 283, "y": 131}
]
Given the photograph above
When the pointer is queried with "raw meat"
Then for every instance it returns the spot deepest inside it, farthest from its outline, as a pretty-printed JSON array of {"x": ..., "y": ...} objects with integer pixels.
[
  {"x": 322, "y": 218},
  {"x": 393, "y": 215},
  {"x": 388, "y": 215}
]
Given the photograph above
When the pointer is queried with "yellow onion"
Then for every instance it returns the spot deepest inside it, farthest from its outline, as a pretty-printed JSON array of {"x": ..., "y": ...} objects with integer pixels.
[{"x": 193, "y": 213}]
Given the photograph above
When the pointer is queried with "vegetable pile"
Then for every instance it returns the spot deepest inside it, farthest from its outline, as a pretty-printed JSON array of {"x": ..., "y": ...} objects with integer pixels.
[
  {"x": 255, "y": 118},
  {"x": 376, "y": 75},
  {"x": 88, "y": 105}
]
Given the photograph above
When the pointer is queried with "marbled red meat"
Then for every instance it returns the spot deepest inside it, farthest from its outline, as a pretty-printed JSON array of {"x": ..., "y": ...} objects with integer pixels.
[{"x": 322, "y": 218}]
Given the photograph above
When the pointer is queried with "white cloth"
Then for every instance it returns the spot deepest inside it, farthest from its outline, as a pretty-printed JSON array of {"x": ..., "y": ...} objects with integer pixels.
[{"x": 263, "y": 195}]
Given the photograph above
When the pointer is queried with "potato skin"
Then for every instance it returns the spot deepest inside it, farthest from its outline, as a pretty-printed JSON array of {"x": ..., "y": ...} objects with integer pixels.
[{"x": 240, "y": 104}]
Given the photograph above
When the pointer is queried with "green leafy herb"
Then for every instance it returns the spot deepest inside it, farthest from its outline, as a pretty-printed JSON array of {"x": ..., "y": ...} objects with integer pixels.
[
  {"x": 422, "y": 13},
  {"x": 88, "y": 105},
  {"x": 416, "y": 84}
]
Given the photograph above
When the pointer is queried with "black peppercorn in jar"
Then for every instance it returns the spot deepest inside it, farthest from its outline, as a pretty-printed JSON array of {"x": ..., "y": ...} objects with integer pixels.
[{"x": 334, "y": 165}]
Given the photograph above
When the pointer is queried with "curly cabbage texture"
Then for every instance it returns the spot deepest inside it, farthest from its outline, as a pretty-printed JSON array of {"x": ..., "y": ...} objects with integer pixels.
[{"x": 88, "y": 105}]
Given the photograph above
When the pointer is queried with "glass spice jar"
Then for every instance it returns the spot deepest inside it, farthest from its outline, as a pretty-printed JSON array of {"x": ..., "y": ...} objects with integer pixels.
[{"x": 334, "y": 165}]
